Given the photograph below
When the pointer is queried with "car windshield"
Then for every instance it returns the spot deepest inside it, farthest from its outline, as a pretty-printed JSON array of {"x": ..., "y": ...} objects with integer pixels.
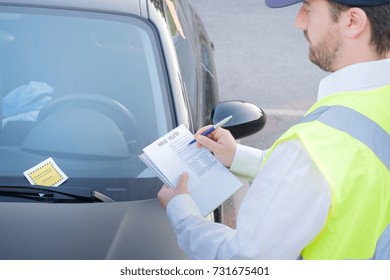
[{"x": 85, "y": 89}]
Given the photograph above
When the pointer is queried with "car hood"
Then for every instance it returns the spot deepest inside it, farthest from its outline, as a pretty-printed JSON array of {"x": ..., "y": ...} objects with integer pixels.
[{"x": 119, "y": 230}]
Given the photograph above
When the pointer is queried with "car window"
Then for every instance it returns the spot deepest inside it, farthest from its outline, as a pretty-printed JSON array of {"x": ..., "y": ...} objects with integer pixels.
[
  {"x": 87, "y": 90},
  {"x": 182, "y": 38}
]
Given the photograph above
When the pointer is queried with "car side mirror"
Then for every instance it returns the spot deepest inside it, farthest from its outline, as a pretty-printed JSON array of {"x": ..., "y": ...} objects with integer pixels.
[{"x": 247, "y": 118}]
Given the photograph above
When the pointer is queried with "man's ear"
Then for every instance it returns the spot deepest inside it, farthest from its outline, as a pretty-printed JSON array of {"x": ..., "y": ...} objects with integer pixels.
[{"x": 354, "y": 22}]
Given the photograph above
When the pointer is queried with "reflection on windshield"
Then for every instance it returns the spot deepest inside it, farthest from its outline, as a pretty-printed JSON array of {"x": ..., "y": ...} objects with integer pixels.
[{"x": 87, "y": 92}]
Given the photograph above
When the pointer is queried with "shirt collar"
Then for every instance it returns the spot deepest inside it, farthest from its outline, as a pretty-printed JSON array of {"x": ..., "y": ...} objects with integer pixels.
[{"x": 356, "y": 77}]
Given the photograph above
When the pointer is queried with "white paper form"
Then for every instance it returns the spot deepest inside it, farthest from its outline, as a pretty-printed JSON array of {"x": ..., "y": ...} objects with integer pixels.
[{"x": 210, "y": 183}]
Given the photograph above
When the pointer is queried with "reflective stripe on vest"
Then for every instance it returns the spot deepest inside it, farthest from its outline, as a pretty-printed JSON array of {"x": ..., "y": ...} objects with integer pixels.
[{"x": 357, "y": 125}]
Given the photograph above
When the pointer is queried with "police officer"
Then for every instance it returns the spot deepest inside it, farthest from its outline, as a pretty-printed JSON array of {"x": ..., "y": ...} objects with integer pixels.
[{"x": 322, "y": 191}]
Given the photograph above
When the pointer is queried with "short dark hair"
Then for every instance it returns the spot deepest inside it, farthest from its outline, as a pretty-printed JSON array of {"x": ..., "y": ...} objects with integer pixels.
[{"x": 379, "y": 18}]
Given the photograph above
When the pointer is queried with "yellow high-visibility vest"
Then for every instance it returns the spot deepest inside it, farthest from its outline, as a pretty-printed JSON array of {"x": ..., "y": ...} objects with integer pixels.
[{"x": 347, "y": 135}]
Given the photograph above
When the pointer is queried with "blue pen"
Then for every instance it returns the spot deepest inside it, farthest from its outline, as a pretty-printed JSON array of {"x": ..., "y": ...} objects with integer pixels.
[{"x": 214, "y": 127}]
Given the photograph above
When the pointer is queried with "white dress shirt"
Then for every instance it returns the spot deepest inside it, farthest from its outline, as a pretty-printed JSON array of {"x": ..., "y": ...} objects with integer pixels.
[{"x": 286, "y": 205}]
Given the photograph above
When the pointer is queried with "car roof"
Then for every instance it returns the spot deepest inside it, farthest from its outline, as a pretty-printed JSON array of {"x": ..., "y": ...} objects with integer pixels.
[{"x": 114, "y": 6}]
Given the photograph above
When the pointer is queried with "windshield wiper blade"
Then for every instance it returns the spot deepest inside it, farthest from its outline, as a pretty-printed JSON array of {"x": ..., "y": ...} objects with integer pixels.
[{"x": 55, "y": 194}]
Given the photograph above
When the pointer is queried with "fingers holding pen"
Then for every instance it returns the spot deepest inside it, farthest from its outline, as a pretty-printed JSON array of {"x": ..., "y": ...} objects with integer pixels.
[
  {"x": 204, "y": 129},
  {"x": 220, "y": 142},
  {"x": 208, "y": 129}
]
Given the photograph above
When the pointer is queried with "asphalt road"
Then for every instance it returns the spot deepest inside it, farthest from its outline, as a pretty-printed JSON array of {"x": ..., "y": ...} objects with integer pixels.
[{"x": 261, "y": 57}]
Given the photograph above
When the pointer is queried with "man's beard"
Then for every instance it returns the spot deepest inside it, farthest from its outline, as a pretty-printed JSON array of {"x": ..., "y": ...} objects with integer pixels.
[{"x": 325, "y": 53}]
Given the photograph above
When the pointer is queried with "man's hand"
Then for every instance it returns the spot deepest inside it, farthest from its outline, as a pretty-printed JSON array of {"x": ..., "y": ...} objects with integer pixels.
[
  {"x": 166, "y": 193},
  {"x": 220, "y": 142}
]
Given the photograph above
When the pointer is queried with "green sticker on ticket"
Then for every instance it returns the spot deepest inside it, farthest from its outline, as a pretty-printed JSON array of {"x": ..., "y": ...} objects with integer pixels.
[{"x": 46, "y": 173}]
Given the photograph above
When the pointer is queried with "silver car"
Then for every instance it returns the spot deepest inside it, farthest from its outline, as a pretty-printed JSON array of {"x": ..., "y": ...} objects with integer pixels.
[{"x": 85, "y": 85}]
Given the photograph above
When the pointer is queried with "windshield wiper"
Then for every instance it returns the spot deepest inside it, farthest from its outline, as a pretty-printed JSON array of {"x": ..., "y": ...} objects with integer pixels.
[{"x": 54, "y": 194}]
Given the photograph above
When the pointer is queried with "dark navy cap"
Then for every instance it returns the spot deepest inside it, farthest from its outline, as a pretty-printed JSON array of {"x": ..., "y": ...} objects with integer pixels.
[{"x": 353, "y": 3}]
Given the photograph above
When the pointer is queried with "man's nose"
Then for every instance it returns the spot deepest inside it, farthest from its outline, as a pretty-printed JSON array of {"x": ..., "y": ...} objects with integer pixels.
[{"x": 300, "y": 19}]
